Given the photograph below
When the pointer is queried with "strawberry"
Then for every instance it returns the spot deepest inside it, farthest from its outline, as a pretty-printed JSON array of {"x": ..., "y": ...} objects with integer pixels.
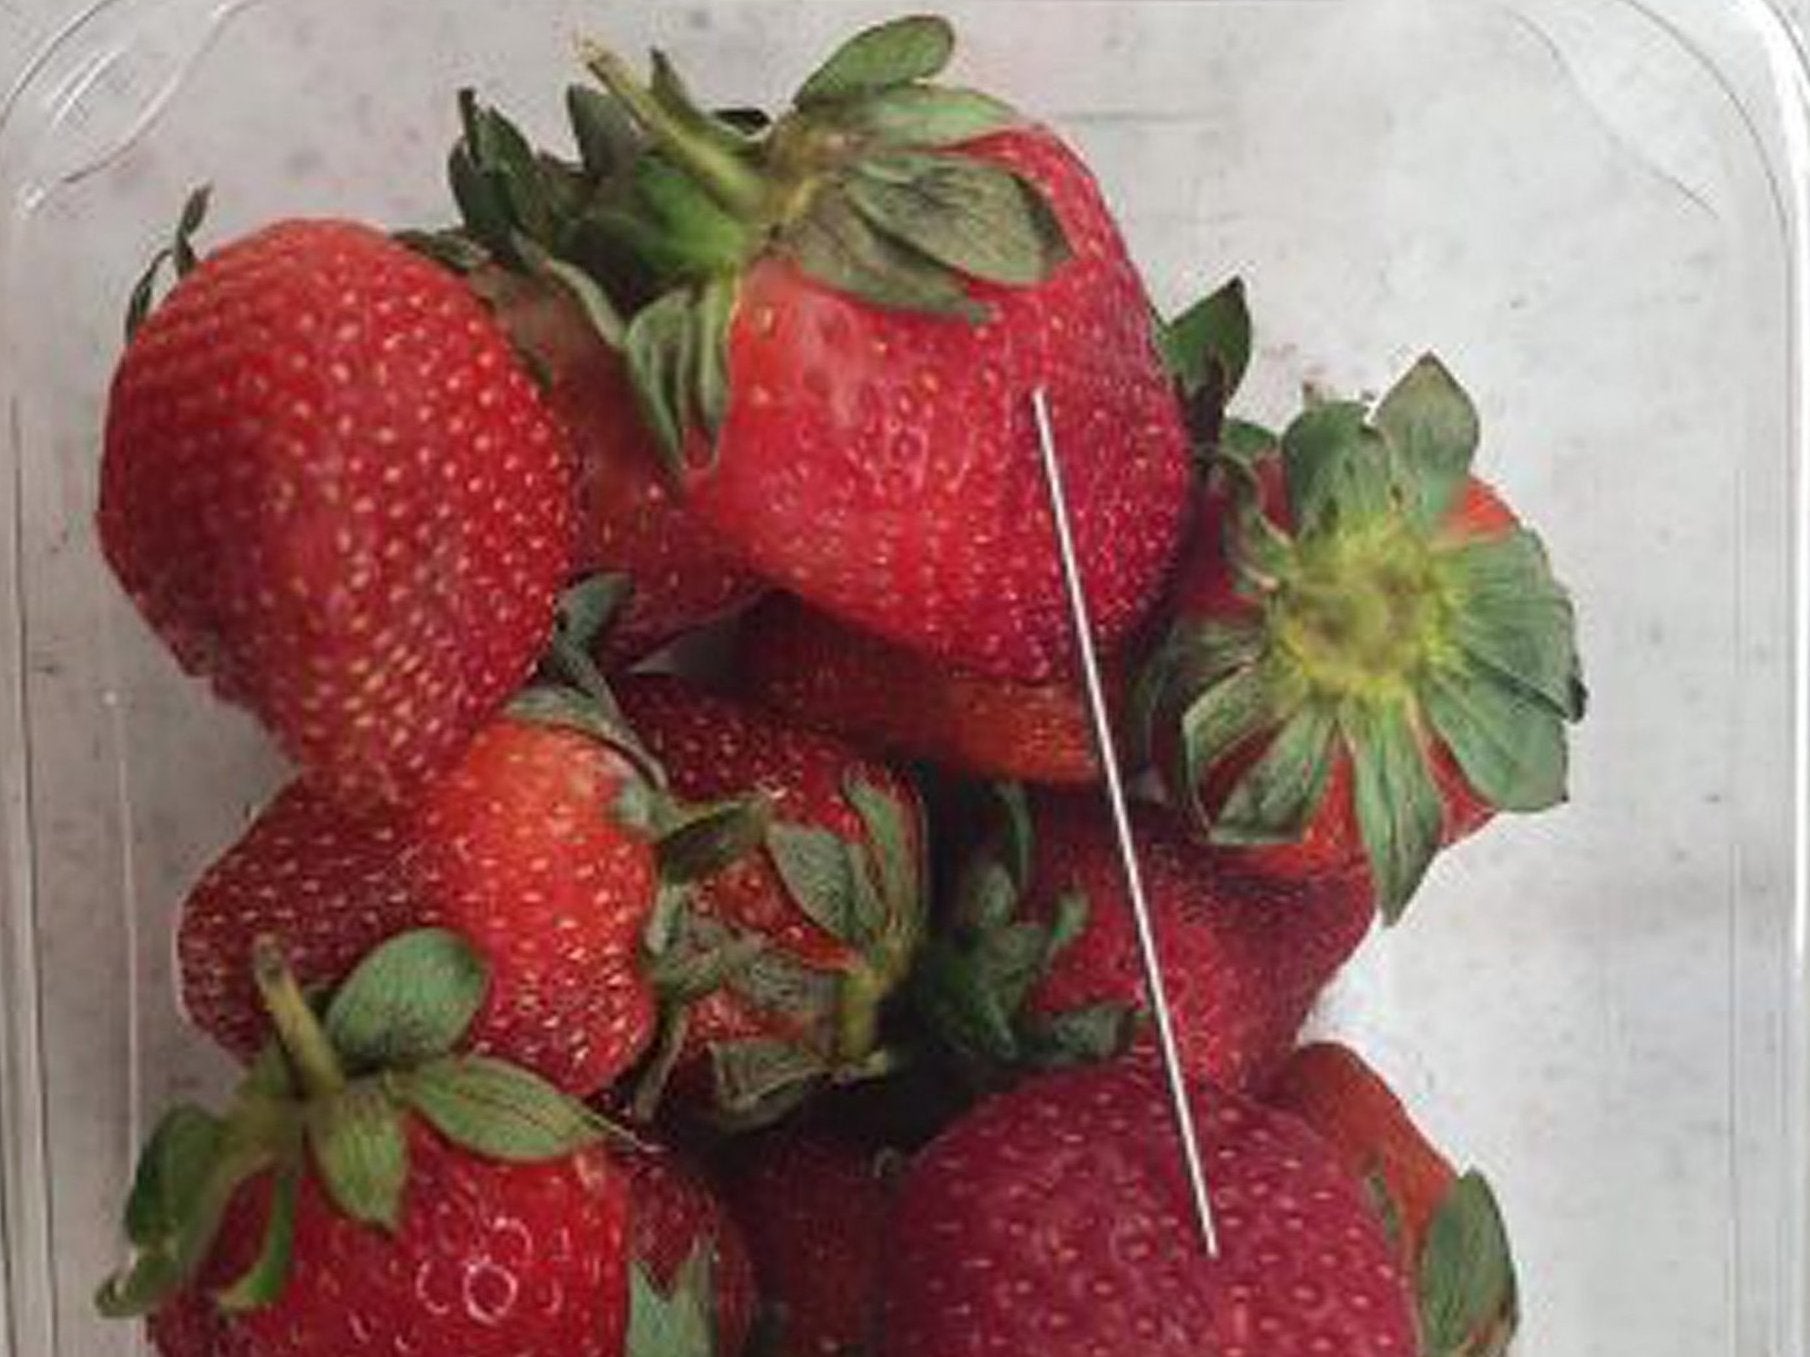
[
  {"x": 812, "y": 669},
  {"x": 191, "y": 1325},
  {"x": 372, "y": 1191},
  {"x": 677, "y": 1219},
  {"x": 1040, "y": 964},
  {"x": 814, "y": 1209},
  {"x": 631, "y": 521},
  {"x": 836, "y": 321},
  {"x": 1369, "y": 656},
  {"x": 330, "y": 489},
  {"x": 1449, "y": 1228},
  {"x": 534, "y": 847},
  {"x": 1056, "y": 1220},
  {"x": 776, "y": 967}
]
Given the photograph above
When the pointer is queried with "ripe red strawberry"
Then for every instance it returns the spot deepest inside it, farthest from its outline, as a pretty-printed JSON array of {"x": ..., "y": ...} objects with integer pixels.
[
  {"x": 1041, "y": 966},
  {"x": 1448, "y": 1228},
  {"x": 1369, "y": 656},
  {"x": 813, "y": 670},
  {"x": 676, "y": 1218},
  {"x": 534, "y": 847},
  {"x": 780, "y": 962},
  {"x": 815, "y": 1211},
  {"x": 841, "y": 321},
  {"x": 330, "y": 489},
  {"x": 1056, "y": 1220},
  {"x": 631, "y": 520},
  {"x": 370, "y": 1191}
]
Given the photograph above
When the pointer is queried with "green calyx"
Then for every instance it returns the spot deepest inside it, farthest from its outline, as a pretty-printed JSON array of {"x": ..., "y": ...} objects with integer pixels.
[
  {"x": 1383, "y": 629},
  {"x": 977, "y": 975},
  {"x": 1469, "y": 1297},
  {"x": 679, "y": 1320},
  {"x": 332, "y": 1095},
  {"x": 867, "y": 893},
  {"x": 178, "y": 256},
  {"x": 863, "y": 184}
]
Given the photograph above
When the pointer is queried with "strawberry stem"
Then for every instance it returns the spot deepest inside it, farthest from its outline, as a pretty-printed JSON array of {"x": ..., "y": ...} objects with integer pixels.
[
  {"x": 304, "y": 1040},
  {"x": 736, "y": 186}
]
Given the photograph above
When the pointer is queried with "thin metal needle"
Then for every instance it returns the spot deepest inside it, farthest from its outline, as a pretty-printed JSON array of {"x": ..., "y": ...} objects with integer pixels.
[{"x": 1128, "y": 854}]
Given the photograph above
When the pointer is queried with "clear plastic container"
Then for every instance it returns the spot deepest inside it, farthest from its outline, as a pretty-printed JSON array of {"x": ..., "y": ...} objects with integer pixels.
[{"x": 1594, "y": 209}]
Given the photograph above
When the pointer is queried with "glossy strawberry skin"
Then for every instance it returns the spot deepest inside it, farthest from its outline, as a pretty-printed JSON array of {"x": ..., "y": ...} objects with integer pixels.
[
  {"x": 1349, "y": 1106},
  {"x": 330, "y": 489},
  {"x": 632, "y": 520},
  {"x": 884, "y": 697},
  {"x": 489, "y": 1260},
  {"x": 714, "y": 748},
  {"x": 1056, "y": 1220},
  {"x": 814, "y": 1210},
  {"x": 675, "y": 1210},
  {"x": 522, "y": 848},
  {"x": 1244, "y": 958},
  {"x": 1207, "y": 590},
  {"x": 884, "y": 466}
]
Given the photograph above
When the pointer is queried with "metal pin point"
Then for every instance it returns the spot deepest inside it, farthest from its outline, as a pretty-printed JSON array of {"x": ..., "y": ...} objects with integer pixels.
[{"x": 1128, "y": 854}]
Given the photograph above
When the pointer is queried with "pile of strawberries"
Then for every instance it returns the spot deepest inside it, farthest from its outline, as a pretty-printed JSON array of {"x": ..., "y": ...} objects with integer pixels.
[{"x": 695, "y": 926}]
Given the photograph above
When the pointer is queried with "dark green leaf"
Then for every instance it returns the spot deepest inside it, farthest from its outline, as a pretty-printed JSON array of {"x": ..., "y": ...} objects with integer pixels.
[
  {"x": 194, "y": 213},
  {"x": 700, "y": 956},
  {"x": 709, "y": 838},
  {"x": 1388, "y": 1210},
  {"x": 900, "y": 870},
  {"x": 837, "y": 246},
  {"x": 1072, "y": 911},
  {"x": 956, "y": 996},
  {"x": 968, "y": 214},
  {"x": 772, "y": 980},
  {"x": 1432, "y": 425},
  {"x": 756, "y": 1073},
  {"x": 498, "y": 1110},
  {"x": 588, "y": 608},
  {"x": 263, "y": 1282},
  {"x": 710, "y": 320},
  {"x": 1511, "y": 746},
  {"x": 1192, "y": 658},
  {"x": 269, "y": 1075},
  {"x": 1210, "y": 343},
  {"x": 172, "y": 1172},
  {"x": 916, "y": 47},
  {"x": 589, "y": 713},
  {"x": 697, "y": 238},
  {"x": 144, "y": 293},
  {"x": 1247, "y": 442},
  {"x": 1017, "y": 835},
  {"x": 818, "y": 873},
  {"x": 668, "y": 91},
  {"x": 482, "y": 205},
  {"x": 1081, "y": 1036},
  {"x": 1337, "y": 468},
  {"x": 410, "y": 1000},
  {"x": 1399, "y": 809},
  {"x": 362, "y": 1151},
  {"x": 1278, "y": 796},
  {"x": 1232, "y": 710},
  {"x": 930, "y": 115},
  {"x": 1467, "y": 1274},
  {"x": 608, "y": 140},
  {"x": 452, "y": 249},
  {"x": 605, "y": 321},
  {"x": 987, "y": 895},
  {"x": 654, "y": 348},
  {"x": 678, "y": 1323},
  {"x": 1510, "y": 616}
]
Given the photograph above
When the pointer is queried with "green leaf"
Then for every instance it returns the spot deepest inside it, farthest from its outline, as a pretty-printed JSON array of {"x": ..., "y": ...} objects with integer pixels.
[
  {"x": 1399, "y": 809},
  {"x": 1017, "y": 835},
  {"x": 987, "y": 895},
  {"x": 608, "y": 140},
  {"x": 589, "y": 713},
  {"x": 362, "y": 1150},
  {"x": 599, "y": 311},
  {"x": 1248, "y": 443},
  {"x": 654, "y": 347},
  {"x": 1209, "y": 344},
  {"x": 1072, "y": 913},
  {"x": 1511, "y": 617},
  {"x": 1510, "y": 746},
  {"x": 269, "y": 1076},
  {"x": 1337, "y": 468},
  {"x": 1229, "y": 712},
  {"x": 762, "y": 1075},
  {"x": 839, "y": 247},
  {"x": 1467, "y": 1280},
  {"x": 916, "y": 47},
  {"x": 411, "y": 999},
  {"x": 954, "y": 993},
  {"x": 180, "y": 253},
  {"x": 711, "y": 318},
  {"x": 498, "y": 1110},
  {"x": 818, "y": 873},
  {"x": 773, "y": 980},
  {"x": 1433, "y": 427},
  {"x": 708, "y": 839},
  {"x": 1387, "y": 1209},
  {"x": 898, "y": 860},
  {"x": 262, "y": 1283},
  {"x": 172, "y": 1173},
  {"x": 678, "y": 1323},
  {"x": 1192, "y": 658},
  {"x": 588, "y": 608},
  {"x": 967, "y": 214},
  {"x": 930, "y": 115},
  {"x": 451, "y": 249},
  {"x": 669, "y": 92},
  {"x": 1081, "y": 1036},
  {"x": 1279, "y": 795}
]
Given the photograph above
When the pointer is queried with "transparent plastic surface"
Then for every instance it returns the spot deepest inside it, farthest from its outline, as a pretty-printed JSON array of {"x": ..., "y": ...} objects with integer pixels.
[{"x": 1594, "y": 209}]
